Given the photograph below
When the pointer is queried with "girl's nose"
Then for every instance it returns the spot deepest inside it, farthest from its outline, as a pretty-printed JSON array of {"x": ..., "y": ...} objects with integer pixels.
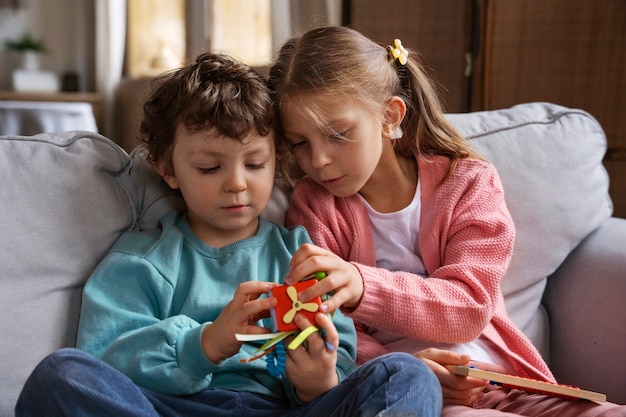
[{"x": 320, "y": 156}]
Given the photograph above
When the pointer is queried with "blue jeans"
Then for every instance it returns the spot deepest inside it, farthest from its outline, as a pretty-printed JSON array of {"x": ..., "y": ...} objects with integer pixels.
[{"x": 72, "y": 383}]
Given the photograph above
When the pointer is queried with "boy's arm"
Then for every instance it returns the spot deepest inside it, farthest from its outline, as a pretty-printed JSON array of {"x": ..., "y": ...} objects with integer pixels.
[
  {"x": 346, "y": 355},
  {"x": 124, "y": 321},
  {"x": 347, "y": 349}
]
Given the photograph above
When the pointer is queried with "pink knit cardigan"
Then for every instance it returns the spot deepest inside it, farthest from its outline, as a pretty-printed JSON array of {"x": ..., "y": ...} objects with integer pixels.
[{"x": 466, "y": 238}]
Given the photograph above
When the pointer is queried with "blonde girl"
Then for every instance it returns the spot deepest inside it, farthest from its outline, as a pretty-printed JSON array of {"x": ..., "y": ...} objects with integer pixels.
[{"x": 411, "y": 224}]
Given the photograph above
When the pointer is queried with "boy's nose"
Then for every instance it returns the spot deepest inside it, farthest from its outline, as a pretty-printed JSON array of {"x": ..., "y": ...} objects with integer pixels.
[{"x": 235, "y": 183}]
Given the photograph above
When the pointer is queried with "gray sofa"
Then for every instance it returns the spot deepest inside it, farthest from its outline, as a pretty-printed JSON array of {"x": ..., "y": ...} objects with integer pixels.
[{"x": 66, "y": 198}]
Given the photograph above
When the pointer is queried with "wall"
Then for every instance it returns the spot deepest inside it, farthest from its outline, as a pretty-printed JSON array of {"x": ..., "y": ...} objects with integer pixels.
[{"x": 66, "y": 26}]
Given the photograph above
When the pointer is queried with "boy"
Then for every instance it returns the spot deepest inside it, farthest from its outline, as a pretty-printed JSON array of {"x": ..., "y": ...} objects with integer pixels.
[{"x": 161, "y": 311}]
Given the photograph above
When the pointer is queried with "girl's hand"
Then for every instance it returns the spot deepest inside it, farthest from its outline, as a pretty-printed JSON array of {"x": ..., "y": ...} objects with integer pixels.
[
  {"x": 239, "y": 316},
  {"x": 456, "y": 389},
  {"x": 343, "y": 279},
  {"x": 311, "y": 367}
]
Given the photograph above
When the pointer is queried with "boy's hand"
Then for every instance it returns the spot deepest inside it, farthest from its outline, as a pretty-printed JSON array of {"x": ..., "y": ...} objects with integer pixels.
[
  {"x": 343, "y": 279},
  {"x": 456, "y": 389},
  {"x": 239, "y": 316},
  {"x": 311, "y": 367}
]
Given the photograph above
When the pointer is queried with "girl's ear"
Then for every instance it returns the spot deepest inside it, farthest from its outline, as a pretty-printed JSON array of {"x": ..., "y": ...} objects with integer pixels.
[
  {"x": 394, "y": 114},
  {"x": 164, "y": 171}
]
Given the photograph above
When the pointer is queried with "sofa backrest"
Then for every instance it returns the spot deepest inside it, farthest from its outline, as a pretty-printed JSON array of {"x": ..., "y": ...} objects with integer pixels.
[
  {"x": 66, "y": 198},
  {"x": 549, "y": 158}
]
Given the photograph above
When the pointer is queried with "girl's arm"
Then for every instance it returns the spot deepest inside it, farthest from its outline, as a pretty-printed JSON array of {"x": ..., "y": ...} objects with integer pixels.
[{"x": 466, "y": 242}]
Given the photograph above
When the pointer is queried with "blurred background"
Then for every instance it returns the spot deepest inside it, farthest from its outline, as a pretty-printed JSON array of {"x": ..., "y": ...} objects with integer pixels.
[{"x": 485, "y": 54}]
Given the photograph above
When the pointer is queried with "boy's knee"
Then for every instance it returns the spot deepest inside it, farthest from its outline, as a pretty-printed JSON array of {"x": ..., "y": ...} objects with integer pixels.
[
  {"x": 406, "y": 363},
  {"x": 56, "y": 368},
  {"x": 407, "y": 367},
  {"x": 48, "y": 379},
  {"x": 409, "y": 383}
]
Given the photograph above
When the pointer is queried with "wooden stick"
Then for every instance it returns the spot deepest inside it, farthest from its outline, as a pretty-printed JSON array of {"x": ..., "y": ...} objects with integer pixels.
[{"x": 527, "y": 384}]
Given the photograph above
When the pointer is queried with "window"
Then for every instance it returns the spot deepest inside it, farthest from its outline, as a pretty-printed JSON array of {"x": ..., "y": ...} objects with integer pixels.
[
  {"x": 242, "y": 28},
  {"x": 155, "y": 39},
  {"x": 162, "y": 34}
]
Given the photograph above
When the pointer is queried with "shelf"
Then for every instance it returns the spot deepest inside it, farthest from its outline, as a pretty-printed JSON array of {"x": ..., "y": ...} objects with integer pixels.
[{"x": 95, "y": 99}]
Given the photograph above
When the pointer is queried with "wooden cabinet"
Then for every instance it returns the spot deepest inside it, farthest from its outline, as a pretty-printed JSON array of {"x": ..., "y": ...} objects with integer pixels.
[
  {"x": 490, "y": 54},
  {"x": 442, "y": 35}
]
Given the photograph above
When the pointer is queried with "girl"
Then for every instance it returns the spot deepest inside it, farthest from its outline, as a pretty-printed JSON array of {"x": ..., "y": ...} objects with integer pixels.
[{"x": 416, "y": 231}]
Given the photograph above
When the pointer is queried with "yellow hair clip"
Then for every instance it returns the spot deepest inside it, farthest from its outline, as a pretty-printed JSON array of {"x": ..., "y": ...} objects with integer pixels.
[{"x": 398, "y": 52}]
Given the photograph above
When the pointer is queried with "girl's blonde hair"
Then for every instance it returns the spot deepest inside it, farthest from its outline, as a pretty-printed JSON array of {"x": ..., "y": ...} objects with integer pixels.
[{"x": 343, "y": 61}]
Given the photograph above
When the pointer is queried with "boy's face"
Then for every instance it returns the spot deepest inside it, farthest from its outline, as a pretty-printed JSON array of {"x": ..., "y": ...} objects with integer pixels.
[{"x": 226, "y": 183}]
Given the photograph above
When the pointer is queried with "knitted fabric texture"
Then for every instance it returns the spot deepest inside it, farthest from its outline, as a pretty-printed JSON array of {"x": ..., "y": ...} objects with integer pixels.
[{"x": 466, "y": 239}]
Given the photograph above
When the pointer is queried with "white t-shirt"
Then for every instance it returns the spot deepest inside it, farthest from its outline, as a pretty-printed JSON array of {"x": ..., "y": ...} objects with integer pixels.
[{"x": 396, "y": 247}]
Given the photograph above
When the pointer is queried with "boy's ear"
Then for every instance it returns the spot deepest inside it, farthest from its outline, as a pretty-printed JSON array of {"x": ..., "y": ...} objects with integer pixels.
[
  {"x": 394, "y": 114},
  {"x": 164, "y": 171}
]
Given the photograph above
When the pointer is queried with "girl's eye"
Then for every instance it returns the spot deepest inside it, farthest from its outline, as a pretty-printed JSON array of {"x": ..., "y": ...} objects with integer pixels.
[{"x": 338, "y": 136}]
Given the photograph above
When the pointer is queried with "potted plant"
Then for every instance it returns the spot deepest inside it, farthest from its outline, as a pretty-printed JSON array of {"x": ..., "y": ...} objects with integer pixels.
[{"x": 29, "y": 47}]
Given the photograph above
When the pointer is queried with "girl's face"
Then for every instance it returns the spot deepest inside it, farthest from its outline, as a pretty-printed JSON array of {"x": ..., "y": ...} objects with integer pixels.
[
  {"x": 225, "y": 183},
  {"x": 339, "y": 145}
]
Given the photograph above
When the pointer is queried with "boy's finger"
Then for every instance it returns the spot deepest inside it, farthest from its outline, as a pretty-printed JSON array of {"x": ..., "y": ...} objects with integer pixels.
[
  {"x": 328, "y": 330},
  {"x": 258, "y": 307},
  {"x": 250, "y": 290}
]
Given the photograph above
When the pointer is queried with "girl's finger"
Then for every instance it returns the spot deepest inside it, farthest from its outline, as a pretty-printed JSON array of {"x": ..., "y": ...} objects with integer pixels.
[
  {"x": 308, "y": 260},
  {"x": 304, "y": 252},
  {"x": 320, "y": 289}
]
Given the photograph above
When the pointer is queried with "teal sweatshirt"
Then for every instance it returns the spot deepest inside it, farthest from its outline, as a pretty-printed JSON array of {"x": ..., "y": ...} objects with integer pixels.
[{"x": 145, "y": 305}]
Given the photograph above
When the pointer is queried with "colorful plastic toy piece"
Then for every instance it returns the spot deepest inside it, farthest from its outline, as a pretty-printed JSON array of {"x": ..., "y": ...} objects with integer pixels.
[
  {"x": 289, "y": 304},
  {"x": 283, "y": 314}
]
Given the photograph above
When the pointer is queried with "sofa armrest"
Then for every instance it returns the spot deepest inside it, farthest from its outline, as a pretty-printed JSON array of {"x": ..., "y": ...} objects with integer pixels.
[{"x": 585, "y": 300}]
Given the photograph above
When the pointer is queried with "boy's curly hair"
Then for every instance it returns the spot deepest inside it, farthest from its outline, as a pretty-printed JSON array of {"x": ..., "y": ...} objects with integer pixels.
[{"x": 214, "y": 91}]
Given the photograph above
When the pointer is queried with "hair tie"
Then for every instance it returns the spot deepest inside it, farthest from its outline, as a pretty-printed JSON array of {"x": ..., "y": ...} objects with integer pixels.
[{"x": 398, "y": 52}]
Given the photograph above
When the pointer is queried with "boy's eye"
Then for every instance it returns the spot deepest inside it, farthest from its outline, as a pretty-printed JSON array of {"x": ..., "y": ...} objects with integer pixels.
[
  {"x": 210, "y": 170},
  {"x": 256, "y": 166},
  {"x": 298, "y": 144}
]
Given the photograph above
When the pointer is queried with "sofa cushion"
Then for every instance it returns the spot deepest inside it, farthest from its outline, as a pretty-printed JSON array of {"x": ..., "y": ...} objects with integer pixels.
[
  {"x": 154, "y": 197},
  {"x": 550, "y": 161},
  {"x": 64, "y": 200}
]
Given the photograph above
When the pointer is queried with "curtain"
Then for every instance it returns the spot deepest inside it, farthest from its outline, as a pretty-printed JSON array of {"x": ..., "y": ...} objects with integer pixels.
[
  {"x": 294, "y": 17},
  {"x": 110, "y": 43}
]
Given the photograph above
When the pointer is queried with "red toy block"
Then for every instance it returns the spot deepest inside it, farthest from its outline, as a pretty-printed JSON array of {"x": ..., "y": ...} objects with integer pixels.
[{"x": 289, "y": 304}]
